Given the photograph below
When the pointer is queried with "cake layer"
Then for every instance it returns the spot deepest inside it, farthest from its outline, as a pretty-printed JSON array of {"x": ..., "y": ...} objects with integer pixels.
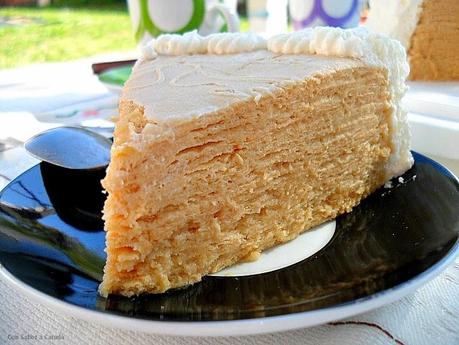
[
  {"x": 189, "y": 197},
  {"x": 434, "y": 48}
]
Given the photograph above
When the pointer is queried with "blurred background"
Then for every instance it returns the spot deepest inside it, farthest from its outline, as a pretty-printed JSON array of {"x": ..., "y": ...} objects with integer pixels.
[
  {"x": 59, "y": 30},
  {"x": 33, "y": 31}
]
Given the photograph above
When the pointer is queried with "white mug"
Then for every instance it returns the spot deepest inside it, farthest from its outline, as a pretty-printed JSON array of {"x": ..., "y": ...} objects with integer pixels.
[
  {"x": 338, "y": 13},
  {"x": 151, "y": 18}
]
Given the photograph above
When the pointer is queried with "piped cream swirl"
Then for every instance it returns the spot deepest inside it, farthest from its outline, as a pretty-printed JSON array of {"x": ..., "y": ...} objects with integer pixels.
[
  {"x": 321, "y": 41},
  {"x": 187, "y": 44},
  {"x": 192, "y": 43},
  {"x": 233, "y": 43}
]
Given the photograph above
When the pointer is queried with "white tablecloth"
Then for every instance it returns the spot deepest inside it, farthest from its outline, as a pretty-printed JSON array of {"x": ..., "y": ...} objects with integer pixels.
[{"x": 41, "y": 96}]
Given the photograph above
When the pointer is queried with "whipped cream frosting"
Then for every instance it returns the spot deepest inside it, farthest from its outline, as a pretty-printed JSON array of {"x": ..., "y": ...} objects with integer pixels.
[
  {"x": 321, "y": 41},
  {"x": 395, "y": 18},
  {"x": 232, "y": 43},
  {"x": 172, "y": 44},
  {"x": 193, "y": 43},
  {"x": 193, "y": 75}
]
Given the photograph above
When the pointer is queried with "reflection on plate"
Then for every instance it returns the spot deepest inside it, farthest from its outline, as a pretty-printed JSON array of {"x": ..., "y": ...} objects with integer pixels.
[
  {"x": 284, "y": 255},
  {"x": 51, "y": 247}
]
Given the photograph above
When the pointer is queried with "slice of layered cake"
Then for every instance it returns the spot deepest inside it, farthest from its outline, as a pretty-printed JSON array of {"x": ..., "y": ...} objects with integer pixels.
[
  {"x": 227, "y": 145},
  {"x": 428, "y": 29}
]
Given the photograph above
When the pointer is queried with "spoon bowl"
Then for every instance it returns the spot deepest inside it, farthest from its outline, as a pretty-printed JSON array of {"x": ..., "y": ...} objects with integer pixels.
[{"x": 69, "y": 147}]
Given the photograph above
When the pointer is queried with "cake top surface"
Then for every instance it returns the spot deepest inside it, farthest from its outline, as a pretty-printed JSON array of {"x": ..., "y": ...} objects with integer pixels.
[
  {"x": 182, "y": 87},
  {"x": 184, "y": 76},
  {"x": 395, "y": 18}
]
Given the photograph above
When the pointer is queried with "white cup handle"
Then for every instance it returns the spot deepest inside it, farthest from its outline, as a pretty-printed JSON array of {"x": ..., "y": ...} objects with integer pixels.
[{"x": 231, "y": 18}]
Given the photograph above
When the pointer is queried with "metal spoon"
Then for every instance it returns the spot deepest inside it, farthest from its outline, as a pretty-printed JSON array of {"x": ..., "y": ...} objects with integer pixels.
[{"x": 72, "y": 147}]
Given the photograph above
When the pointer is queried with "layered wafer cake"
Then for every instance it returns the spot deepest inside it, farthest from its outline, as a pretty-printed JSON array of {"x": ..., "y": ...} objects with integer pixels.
[
  {"x": 227, "y": 145},
  {"x": 428, "y": 29}
]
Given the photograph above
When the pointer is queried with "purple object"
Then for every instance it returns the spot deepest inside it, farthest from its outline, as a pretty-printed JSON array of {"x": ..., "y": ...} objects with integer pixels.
[{"x": 319, "y": 12}]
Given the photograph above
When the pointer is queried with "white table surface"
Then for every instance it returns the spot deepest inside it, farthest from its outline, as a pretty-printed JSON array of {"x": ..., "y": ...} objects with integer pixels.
[{"x": 41, "y": 96}]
